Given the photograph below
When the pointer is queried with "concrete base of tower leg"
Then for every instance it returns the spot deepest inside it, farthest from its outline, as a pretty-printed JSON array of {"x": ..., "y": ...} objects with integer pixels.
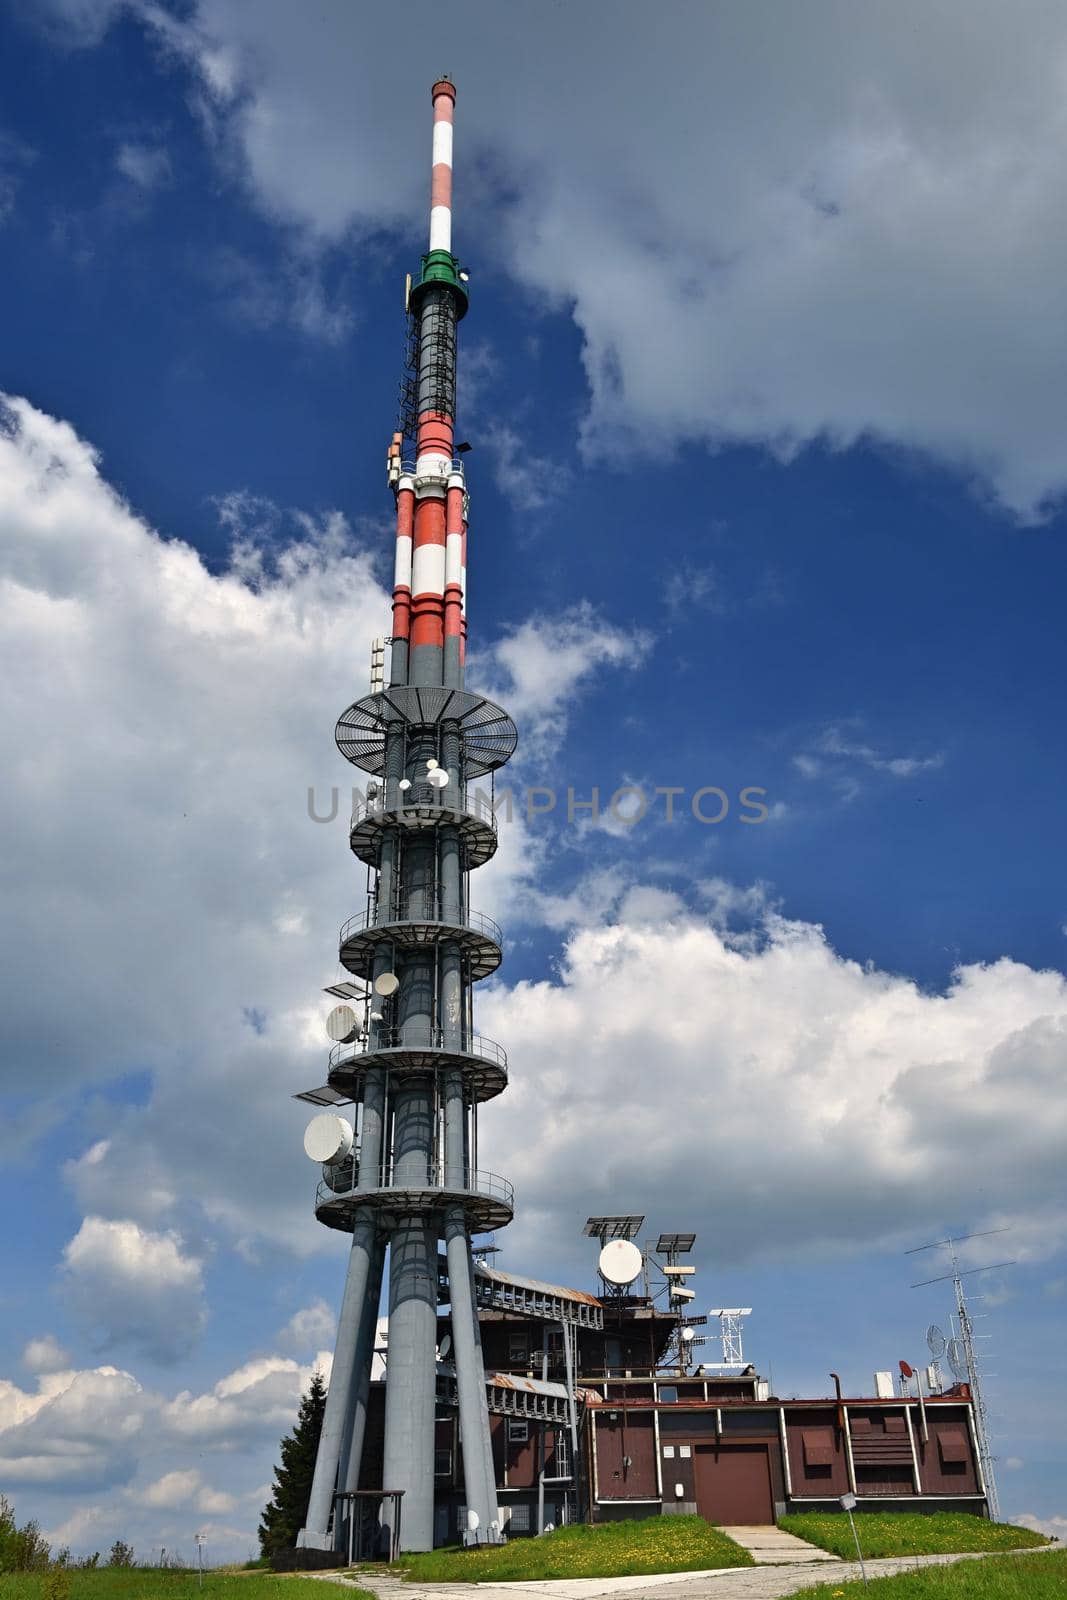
[{"x": 312, "y": 1539}]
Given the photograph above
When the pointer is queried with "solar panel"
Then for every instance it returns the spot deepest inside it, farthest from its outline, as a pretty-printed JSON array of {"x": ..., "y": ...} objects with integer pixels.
[
  {"x": 671, "y": 1243},
  {"x": 347, "y": 991},
  {"x": 604, "y": 1228}
]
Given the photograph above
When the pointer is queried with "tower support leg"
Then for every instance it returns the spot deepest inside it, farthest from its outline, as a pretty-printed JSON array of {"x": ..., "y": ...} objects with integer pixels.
[
  {"x": 411, "y": 1379},
  {"x": 470, "y": 1383},
  {"x": 315, "y": 1535}
]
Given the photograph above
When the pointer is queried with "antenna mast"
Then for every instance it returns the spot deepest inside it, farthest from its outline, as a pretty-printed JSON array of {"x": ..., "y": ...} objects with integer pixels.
[{"x": 969, "y": 1351}]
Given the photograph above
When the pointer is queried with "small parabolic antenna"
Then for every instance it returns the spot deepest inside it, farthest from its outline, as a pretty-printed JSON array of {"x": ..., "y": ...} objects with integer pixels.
[
  {"x": 620, "y": 1262},
  {"x": 957, "y": 1359},
  {"x": 935, "y": 1341},
  {"x": 342, "y": 1024},
  {"x": 438, "y": 777},
  {"x": 687, "y": 1335},
  {"x": 405, "y": 784},
  {"x": 431, "y": 763},
  {"x": 474, "y": 1521},
  {"x": 386, "y": 983},
  {"x": 444, "y": 1347},
  {"x": 328, "y": 1138}
]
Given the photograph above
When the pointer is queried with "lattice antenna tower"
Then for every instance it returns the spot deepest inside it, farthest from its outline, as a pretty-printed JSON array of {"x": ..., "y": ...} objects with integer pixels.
[
  {"x": 963, "y": 1354},
  {"x": 731, "y": 1325}
]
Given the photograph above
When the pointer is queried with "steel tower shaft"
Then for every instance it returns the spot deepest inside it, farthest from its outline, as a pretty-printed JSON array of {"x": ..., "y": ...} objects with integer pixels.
[{"x": 414, "y": 1071}]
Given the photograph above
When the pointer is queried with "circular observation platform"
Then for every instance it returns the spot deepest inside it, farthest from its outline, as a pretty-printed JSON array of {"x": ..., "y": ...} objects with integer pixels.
[
  {"x": 487, "y": 1199},
  {"x": 479, "y": 938},
  {"x": 488, "y": 734},
  {"x": 483, "y": 1062},
  {"x": 423, "y": 807}
]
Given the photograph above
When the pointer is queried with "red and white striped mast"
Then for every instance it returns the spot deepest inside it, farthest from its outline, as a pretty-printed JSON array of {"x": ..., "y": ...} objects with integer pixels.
[{"x": 429, "y": 593}]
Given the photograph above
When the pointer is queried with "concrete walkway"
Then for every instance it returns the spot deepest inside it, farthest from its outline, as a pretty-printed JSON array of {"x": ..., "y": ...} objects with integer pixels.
[
  {"x": 764, "y": 1582},
  {"x": 771, "y": 1546}
]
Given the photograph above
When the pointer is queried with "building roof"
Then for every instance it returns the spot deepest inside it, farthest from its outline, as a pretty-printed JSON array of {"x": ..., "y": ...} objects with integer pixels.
[{"x": 535, "y": 1285}]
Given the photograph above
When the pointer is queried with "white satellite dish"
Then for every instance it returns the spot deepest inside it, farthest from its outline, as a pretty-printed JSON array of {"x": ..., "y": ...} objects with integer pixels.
[
  {"x": 438, "y": 777},
  {"x": 957, "y": 1360},
  {"x": 386, "y": 983},
  {"x": 431, "y": 763},
  {"x": 620, "y": 1262},
  {"x": 687, "y": 1334},
  {"x": 445, "y": 1347},
  {"x": 328, "y": 1138},
  {"x": 342, "y": 1024},
  {"x": 474, "y": 1521},
  {"x": 405, "y": 784},
  {"x": 935, "y": 1341}
]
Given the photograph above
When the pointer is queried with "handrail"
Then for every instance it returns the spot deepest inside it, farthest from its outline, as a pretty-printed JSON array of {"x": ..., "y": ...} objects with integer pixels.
[
  {"x": 489, "y": 1184},
  {"x": 475, "y": 921},
  {"x": 407, "y": 468},
  {"x": 399, "y": 1039},
  {"x": 425, "y": 794}
]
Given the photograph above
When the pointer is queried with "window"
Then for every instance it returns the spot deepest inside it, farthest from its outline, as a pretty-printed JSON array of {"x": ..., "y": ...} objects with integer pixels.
[
  {"x": 685, "y": 1452},
  {"x": 668, "y": 1451},
  {"x": 668, "y": 1394},
  {"x": 519, "y": 1521},
  {"x": 442, "y": 1463},
  {"x": 952, "y": 1447},
  {"x": 518, "y": 1430},
  {"x": 818, "y": 1447}
]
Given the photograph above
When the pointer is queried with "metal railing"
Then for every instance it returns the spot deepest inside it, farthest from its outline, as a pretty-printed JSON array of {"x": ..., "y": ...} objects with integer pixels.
[
  {"x": 381, "y": 917},
  {"x": 422, "y": 796},
  {"x": 431, "y": 1039},
  {"x": 438, "y": 1176}
]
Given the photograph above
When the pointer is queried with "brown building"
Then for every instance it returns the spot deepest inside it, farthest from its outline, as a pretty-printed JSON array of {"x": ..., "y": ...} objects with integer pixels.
[{"x": 595, "y": 1416}]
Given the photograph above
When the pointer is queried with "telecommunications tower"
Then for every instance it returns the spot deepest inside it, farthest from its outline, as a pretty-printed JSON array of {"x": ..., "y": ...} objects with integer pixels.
[{"x": 401, "y": 1170}]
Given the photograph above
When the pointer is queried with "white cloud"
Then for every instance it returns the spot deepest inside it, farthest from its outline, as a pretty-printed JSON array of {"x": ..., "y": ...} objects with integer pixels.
[
  {"x": 174, "y": 1488},
  {"x": 856, "y": 235},
  {"x": 878, "y": 1106},
  {"x": 130, "y": 1286},
  {"x": 839, "y": 754},
  {"x": 1051, "y": 1527},
  {"x": 146, "y": 165},
  {"x": 528, "y": 480},
  {"x": 546, "y": 661},
  {"x": 45, "y": 1354},
  {"x": 191, "y": 901},
  {"x": 310, "y": 1328},
  {"x": 107, "y": 1457}
]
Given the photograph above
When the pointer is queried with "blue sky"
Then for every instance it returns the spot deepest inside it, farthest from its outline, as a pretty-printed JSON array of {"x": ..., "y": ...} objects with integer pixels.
[{"x": 762, "y": 375}]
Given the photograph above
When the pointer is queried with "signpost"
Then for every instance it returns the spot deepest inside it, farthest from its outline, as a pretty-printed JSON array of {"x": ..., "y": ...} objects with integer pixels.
[{"x": 848, "y": 1503}]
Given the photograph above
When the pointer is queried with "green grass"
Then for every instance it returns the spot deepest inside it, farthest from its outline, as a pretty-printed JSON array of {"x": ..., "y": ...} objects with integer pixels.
[
  {"x": 908, "y": 1533},
  {"x": 154, "y": 1583},
  {"x": 610, "y": 1550},
  {"x": 1038, "y": 1577}
]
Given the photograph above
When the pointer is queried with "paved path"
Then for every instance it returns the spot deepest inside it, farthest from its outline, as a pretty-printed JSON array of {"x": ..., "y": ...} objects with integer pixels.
[
  {"x": 771, "y": 1546},
  {"x": 765, "y": 1582}
]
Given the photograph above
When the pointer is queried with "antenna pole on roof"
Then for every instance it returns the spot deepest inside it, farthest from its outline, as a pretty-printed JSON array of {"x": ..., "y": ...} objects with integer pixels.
[{"x": 963, "y": 1354}]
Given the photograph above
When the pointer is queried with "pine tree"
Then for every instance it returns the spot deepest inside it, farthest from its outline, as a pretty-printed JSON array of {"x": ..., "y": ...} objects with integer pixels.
[{"x": 285, "y": 1514}]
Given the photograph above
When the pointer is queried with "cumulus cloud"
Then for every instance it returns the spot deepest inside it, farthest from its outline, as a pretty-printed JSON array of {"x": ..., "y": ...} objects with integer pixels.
[
  {"x": 1051, "y": 1527},
  {"x": 44, "y": 1355},
  {"x": 847, "y": 232},
  {"x": 111, "y": 1457},
  {"x": 311, "y": 1328},
  {"x": 876, "y": 1104},
  {"x": 130, "y": 1286},
  {"x": 172, "y": 722},
  {"x": 545, "y": 661}
]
